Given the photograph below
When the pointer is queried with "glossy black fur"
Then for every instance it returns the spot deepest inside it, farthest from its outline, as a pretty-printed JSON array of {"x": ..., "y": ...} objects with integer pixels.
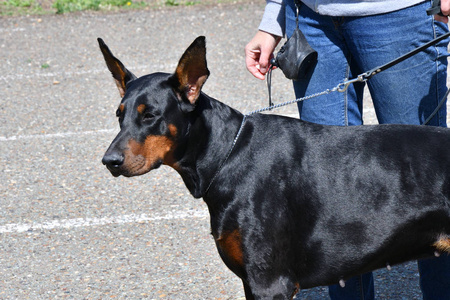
[{"x": 296, "y": 204}]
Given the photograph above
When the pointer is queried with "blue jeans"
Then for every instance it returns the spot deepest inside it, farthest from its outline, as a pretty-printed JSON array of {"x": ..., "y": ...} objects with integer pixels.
[{"x": 404, "y": 94}]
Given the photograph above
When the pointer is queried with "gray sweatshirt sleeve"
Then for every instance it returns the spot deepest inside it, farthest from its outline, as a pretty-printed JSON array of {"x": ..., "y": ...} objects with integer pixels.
[
  {"x": 345, "y": 8},
  {"x": 273, "y": 20}
]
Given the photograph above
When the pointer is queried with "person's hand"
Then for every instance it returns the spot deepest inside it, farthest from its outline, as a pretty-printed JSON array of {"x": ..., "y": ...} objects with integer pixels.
[
  {"x": 259, "y": 52},
  {"x": 445, "y": 8}
]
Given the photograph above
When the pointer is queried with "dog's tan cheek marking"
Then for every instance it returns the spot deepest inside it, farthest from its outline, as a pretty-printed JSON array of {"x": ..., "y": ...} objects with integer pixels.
[
  {"x": 141, "y": 108},
  {"x": 443, "y": 244},
  {"x": 231, "y": 245},
  {"x": 170, "y": 160},
  {"x": 153, "y": 149},
  {"x": 173, "y": 130}
]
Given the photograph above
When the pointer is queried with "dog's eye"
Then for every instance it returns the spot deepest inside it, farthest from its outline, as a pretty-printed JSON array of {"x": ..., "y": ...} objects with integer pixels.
[{"x": 147, "y": 116}]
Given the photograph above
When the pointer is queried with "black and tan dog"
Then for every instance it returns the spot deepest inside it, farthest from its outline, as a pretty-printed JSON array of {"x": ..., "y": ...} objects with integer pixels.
[{"x": 292, "y": 204}]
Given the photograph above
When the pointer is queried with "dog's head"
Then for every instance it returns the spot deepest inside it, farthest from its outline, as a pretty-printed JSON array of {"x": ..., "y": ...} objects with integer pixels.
[{"x": 154, "y": 111}]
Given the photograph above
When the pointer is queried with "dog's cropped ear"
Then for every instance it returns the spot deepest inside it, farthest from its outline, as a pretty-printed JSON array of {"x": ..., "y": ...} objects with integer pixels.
[
  {"x": 120, "y": 74},
  {"x": 191, "y": 74}
]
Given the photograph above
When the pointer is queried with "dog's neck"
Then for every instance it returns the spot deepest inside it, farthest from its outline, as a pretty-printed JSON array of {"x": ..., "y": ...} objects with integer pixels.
[{"x": 212, "y": 125}]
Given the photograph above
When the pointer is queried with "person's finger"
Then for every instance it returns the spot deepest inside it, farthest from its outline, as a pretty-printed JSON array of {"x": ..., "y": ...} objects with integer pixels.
[{"x": 252, "y": 62}]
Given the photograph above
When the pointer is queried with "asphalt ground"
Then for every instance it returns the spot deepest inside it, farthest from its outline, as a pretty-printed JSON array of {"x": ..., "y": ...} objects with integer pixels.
[{"x": 68, "y": 229}]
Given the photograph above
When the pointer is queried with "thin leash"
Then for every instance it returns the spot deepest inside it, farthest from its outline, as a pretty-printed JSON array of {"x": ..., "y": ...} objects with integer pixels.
[{"x": 341, "y": 87}]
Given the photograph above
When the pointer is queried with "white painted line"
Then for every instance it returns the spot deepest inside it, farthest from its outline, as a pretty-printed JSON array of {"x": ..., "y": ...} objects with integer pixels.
[
  {"x": 89, "y": 222},
  {"x": 12, "y": 29},
  {"x": 54, "y": 135}
]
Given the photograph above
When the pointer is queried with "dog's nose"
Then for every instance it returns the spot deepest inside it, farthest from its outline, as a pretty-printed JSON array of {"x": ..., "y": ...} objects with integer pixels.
[{"x": 113, "y": 160}]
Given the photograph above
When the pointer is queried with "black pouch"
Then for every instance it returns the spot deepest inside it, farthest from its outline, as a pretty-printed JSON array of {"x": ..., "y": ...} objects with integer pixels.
[{"x": 296, "y": 57}]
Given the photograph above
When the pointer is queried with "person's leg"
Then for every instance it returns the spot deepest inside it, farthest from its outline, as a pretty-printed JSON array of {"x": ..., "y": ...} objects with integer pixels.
[
  {"x": 408, "y": 92},
  {"x": 323, "y": 34},
  {"x": 435, "y": 277},
  {"x": 356, "y": 288}
]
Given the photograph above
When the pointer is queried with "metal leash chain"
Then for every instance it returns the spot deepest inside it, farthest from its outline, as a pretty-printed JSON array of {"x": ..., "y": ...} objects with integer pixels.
[
  {"x": 273, "y": 106},
  {"x": 341, "y": 87}
]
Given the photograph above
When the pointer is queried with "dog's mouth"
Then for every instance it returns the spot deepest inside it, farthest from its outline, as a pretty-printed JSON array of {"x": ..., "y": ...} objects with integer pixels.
[
  {"x": 114, "y": 171},
  {"x": 135, "y": 167}
]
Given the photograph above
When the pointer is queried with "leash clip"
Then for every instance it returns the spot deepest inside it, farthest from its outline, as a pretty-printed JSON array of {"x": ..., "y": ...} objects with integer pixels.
[{"x": 343, "y": 86}]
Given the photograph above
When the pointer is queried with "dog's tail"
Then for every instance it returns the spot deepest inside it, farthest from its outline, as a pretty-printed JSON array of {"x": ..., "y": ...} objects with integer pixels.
[{"x": 443, "y": 243}]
